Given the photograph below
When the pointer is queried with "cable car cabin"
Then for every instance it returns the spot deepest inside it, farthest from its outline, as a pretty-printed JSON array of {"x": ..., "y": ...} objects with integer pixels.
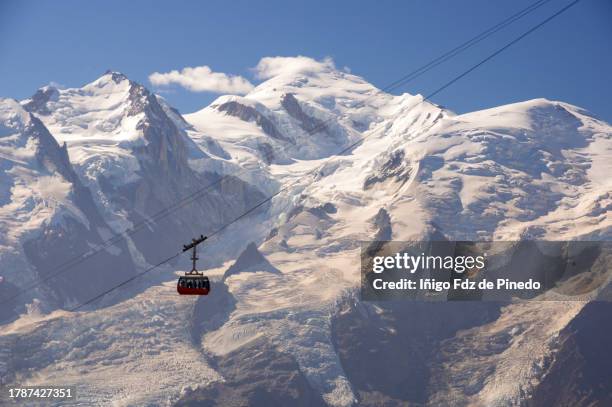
[
  {"x": 193, "y": 282},
  {"x": 193, "y": 285}
]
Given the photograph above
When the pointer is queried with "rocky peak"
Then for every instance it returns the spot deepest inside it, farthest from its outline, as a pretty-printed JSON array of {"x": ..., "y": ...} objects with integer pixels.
[
  {"x": 38, "y": 102},
  {"x": 115, "y": 76},
  {"x": 307, "y": 123},
  {"x": 140, "y": 99},
  {"x": 250, "y": 260}
]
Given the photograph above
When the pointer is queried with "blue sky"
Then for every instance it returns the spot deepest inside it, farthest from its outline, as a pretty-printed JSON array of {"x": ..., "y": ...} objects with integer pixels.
[{"x": 74, "y": 42}]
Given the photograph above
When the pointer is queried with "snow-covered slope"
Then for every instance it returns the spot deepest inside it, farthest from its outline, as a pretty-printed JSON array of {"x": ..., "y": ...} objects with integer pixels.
[
  {"x": 536, "y": 169},
  {"x": 532, "y": 168}
]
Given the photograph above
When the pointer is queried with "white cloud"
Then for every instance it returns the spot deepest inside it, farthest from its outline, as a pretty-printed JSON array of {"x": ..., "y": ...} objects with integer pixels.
[
  {"x": 56, "y": 85},
  {"x": 269, "y": 67},
  {"x": 202, "y": 79}
]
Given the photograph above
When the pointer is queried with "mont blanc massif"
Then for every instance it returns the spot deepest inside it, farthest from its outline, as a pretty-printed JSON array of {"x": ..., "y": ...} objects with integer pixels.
[{"x": 101, "y": 183}]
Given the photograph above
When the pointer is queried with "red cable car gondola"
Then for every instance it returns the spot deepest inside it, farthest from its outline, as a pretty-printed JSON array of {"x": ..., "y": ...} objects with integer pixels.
[
  {"x": 193, "y": 282},
  {"x": 193, "y": 285}
]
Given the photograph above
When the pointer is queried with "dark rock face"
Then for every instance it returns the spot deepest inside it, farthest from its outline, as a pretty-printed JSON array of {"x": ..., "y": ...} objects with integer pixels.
[
  {"x": 211, "y": 312},
  {"x": 257, "y": 375},
  {"x": 295, "y": 211},
  {"x": 387, "y": 353},
  {"x": 393, "y": 168},
  {"x": 383, "y": 222},
  {"x": 250, "y": 260},
  {"x": 215, "y": 148},
  {"x": 117, "y": 77},
  {"x": 38, "y": 102},
  {"x": 330, "y": 207},
  {"x": 267, "y": 152},
  {"x": 580, "y": 373},
  {"x": 310, "y": 124},
  {"x": 50, "y": 156},
  {"x": 9, "y": 303},
  {"x": 58, "y": 256},
  {"x": 247, "y": 113},
  {"x": 17, "y": 355}
]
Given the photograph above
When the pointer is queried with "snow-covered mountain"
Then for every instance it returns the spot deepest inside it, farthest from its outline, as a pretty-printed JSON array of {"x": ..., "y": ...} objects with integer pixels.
[
  {"x": 48, "y": 219},
  {"x": 284, "y": 324},
  {"x": 127, "y": 147},
  {"x": 529, "y": 170}
]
